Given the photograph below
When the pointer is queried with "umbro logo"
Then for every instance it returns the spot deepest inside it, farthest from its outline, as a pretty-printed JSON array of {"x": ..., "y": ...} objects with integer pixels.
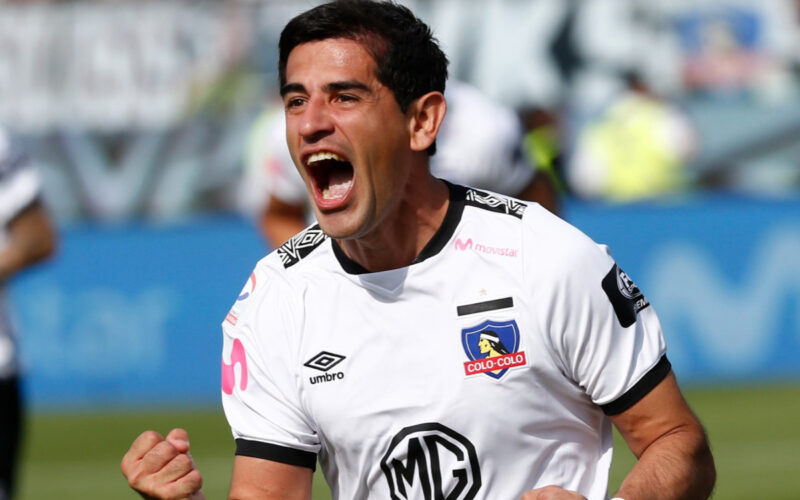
[{"x": 323, "y": 362}]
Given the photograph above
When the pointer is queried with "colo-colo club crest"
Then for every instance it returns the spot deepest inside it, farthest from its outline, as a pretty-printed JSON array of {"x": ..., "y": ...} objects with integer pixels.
[{"x": 492, "y": 348}]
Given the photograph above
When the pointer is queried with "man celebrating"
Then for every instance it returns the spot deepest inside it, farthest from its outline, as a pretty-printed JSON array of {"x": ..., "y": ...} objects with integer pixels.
[
  {"x": 401, "y": 260},
  {"x": 491, "y": 158}
]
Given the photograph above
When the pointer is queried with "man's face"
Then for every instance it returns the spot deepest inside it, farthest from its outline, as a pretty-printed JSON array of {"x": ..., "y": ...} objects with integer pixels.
[{"x": 347, "y": 136}]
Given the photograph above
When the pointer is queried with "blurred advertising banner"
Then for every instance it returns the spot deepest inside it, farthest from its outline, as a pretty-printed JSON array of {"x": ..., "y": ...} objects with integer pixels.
[
  {"x": 130, "y": 315},
  {"x": 136, "y": 108},
  {"x": 722, "y": 273},
  {"x": 140, "y": 108}
]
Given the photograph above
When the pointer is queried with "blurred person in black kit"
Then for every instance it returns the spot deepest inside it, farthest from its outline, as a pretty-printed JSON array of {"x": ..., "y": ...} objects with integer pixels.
[{"x": 27, "y": 237}]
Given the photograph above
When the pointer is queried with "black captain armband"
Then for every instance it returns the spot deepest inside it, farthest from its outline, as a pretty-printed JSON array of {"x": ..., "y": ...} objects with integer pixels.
[
  {"x": 624, "y": 295},
  {"x": 275, "y": 453},
  {"x": 641, "y": 389}
]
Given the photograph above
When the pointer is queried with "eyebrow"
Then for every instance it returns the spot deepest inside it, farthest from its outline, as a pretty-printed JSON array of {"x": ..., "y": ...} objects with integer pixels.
[
  {"x": 330, "y": 87},
  {"x": 346, "y": 85},
  {"x": 292, "y": 87}
]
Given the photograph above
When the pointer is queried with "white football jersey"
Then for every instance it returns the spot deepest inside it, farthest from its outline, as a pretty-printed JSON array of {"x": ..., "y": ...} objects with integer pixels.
[
  {"x": 479, "y": 144},
  {"x": 484, "y": 369},
  {"x": 19, "y": 188}
]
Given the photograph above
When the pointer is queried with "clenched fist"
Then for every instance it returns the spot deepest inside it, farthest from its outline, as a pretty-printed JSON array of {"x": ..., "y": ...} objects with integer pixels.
[{"x": 162, "y": 468}]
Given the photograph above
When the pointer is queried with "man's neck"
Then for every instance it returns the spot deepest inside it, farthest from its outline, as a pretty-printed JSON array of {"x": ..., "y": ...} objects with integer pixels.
[{"x": 400, "y": 239}]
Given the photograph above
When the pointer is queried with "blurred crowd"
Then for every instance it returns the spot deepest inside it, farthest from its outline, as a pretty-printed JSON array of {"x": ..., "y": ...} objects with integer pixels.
[{"x": 142, "y": 108}]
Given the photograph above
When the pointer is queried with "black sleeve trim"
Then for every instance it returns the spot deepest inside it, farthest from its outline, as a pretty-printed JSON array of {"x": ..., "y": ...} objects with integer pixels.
[
  {"x": 282, "y": 454},
  {"x": 641, "y": 389}
]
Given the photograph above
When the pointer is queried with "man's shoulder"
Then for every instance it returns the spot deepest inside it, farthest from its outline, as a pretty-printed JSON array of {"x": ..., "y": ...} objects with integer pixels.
[
  {"x": 558, "y": 247},
  {"x": 300, "y": 247},
  {"x": 283, "y": 272},
  {"x": 546, "y": 236},
  {"x": 493, "y": 202}
]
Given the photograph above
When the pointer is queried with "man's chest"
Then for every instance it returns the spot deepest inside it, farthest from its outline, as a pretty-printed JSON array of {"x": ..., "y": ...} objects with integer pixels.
[{"x": 458, "y": 353}]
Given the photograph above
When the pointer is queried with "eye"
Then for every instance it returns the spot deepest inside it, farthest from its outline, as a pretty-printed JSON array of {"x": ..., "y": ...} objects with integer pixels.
[
  {"x": 346, "y": 98},
  {"x": 294, "y": 102}
]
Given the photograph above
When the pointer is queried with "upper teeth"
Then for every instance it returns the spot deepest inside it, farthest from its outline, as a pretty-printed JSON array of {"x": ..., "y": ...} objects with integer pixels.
[{"x": 324, "y": 155}]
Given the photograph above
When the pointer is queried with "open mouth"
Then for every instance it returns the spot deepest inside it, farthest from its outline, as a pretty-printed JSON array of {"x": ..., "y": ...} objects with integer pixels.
[{"x": 331, "y": 176}]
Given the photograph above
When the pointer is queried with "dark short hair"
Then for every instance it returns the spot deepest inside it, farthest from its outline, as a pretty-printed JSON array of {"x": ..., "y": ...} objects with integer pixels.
[{"x": 408, "y": 58}]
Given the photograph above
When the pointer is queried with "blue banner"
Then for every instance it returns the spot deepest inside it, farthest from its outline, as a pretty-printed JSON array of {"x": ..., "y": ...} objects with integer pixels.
[{"x": 130, "y": 315}]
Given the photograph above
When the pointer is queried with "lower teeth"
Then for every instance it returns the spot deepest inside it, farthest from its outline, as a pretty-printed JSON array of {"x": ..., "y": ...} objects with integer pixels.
[{"x": 326, "y": 194}]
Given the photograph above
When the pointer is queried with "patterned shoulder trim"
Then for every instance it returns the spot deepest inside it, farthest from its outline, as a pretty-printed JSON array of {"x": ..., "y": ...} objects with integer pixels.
[
  {"x": 494, "y": 203},
  {"x": 301, "y": 244}
]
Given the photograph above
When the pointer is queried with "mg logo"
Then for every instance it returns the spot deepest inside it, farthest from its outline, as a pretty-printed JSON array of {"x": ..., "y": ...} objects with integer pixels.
[{"x": 431, "y": 461}]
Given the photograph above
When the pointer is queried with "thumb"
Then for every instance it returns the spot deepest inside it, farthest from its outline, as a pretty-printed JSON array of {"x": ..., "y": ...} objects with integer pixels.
[{"x": 179, "y": 438}]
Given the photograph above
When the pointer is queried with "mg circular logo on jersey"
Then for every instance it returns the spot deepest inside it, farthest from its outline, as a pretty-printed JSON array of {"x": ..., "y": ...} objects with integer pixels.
[
  {"x": 431, "y": 461},
  {"x": 492, "y": 348}
]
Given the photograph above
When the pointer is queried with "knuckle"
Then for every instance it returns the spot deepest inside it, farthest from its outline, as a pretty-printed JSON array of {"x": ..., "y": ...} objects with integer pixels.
[
  {"x": 139, "y": 484},
  {"x": 178, "y": 433},
  {"x": 182, "y": 462},
  {"x": 150, "y": 438},
  {"x": 165, "y": 450},
  {"x": 157, "y": 458},
  {"x": 195, "y": 479},
  {"x": 133, "y": 478},
  {"x": 137, "y": 480}
]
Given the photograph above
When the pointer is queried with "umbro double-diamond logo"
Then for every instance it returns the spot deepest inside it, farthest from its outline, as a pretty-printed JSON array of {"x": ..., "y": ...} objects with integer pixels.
[{"x": 323, "y": 362}]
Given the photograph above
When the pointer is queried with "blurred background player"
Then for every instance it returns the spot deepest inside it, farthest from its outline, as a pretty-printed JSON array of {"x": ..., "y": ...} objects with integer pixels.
[
  {"x": 481, "y": 144},
  {"x": 26, "y": 237},
  {"x": 638, "y": 147}
]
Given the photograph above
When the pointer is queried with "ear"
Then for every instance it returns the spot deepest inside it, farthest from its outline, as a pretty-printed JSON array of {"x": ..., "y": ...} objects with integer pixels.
[{"x": 425, "y": 117}]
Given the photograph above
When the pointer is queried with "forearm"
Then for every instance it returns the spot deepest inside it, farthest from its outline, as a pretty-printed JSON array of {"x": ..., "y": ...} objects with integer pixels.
[
  {"x": 31, "y": 238},
  {"x": 17, "y": 256},
  {"x": 12, "y": 260},
  {"x": 256, "y": 479},
  {"x": 677, "y": 466}
]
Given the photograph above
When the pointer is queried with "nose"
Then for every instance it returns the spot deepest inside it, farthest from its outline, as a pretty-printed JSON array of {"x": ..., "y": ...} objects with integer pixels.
[{"x": 316, "y": 122}]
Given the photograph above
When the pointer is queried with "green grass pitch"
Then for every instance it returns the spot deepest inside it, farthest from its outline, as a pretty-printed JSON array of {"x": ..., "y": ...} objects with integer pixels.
[{"x": 754, "y": 432}]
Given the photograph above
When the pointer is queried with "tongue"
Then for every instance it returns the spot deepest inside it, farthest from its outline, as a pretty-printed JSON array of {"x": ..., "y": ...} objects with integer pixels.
[{"x": 339, "y": 182}]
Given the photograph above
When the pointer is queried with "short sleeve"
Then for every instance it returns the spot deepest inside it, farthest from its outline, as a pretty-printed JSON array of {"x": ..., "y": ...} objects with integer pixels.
[
  {"x": 260, "y": 391},
  {"x": 605, "y": 333}
]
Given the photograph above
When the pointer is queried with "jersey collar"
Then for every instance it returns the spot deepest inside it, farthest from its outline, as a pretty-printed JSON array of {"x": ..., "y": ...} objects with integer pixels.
[{"x": 434, "y": 246}]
